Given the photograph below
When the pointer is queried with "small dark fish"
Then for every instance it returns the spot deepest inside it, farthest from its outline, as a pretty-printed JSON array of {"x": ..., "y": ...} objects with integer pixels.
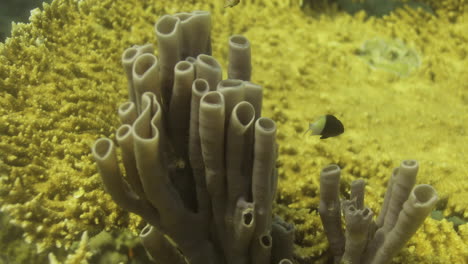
[{"x": 326, "y": 126}]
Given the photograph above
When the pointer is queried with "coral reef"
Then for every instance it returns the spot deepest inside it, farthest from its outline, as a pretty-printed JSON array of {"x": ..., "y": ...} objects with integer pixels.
[
  {"x": 15, "y": 11},
  {"x": 61, "y": 81},
  {"x": 81, "y": 255},
  {"x": 14, "y": 249}
]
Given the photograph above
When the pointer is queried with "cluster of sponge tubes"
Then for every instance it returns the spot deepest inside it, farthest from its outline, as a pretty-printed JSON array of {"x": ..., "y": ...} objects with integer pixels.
[
  {"x": 199, "y": 159},
  {"x": 367, "y": 241}
]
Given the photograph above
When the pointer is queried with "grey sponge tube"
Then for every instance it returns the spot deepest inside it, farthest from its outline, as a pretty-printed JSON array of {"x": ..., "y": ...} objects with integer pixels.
[
  {"x": 104, "y": 153},
  {"x": 211, "y": 128},
  {"x": 196, "y": 27},
  {"x": 239, "y": 214},
  {"x": 153, "y": 171},
  {"x": 179, "y": 109},
  {"x": 402, "y": 185},
  {"x": 358, "y": 222},
  {"x": 159, "y": 247},
  {"x": 124, "y": 138},
  {"x": 128, "y": 58},
  {"x": 233, "y": 91},
  {"x": 199, "y": 88},
  {"x": 263, "y": 172},
  {"x": 128, "y": 113},
  {"x": 254, "y": 95},
  {"x": 262, "y": 181},
  {"x": 176, "y": 220},
  {"x": 241, "y": 229},
  {"x": 239, "y": 153},
  {"x": 208, "y": 68},
  {"x": 239, "y": 66},
  {"x": 145, "y": 77},
  {"x": 415, "y": 210},
  {"x": 330, "y": 209},
  {"x": 283, "y": 240},
  {"x": 260, "y": 248},
  {"x": 357, "y": 192},
  {"x": 169, "y": 35}
]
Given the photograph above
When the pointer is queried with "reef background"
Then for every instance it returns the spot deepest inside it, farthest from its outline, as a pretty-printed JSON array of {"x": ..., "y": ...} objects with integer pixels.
[
  {"x": 61, "y": 82},
  {"x": 15, "y": 11}
]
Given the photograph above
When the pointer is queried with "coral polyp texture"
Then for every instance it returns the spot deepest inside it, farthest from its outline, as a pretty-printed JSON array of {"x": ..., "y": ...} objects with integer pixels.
[{"x": 61, "y": 80}]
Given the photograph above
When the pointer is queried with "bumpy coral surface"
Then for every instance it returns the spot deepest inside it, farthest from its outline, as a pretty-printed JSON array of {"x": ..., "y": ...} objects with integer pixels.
[{"x": 61, "y": 81}]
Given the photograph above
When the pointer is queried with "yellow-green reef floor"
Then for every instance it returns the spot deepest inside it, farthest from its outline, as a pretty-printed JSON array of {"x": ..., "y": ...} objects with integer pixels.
[{"x": 398, "y": 83}]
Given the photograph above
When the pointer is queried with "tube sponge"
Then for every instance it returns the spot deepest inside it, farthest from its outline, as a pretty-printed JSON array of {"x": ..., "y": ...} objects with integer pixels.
[
  {"x": 199, "y": 159},
  {"x": 419, "y": 205},
  {"x": 367, "y": 241}
]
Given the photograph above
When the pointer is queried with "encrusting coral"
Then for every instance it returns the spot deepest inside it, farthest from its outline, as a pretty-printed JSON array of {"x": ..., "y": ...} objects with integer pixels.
[
  {"x": 199, "y": 158},
  {"x": 61, "y": 81}
]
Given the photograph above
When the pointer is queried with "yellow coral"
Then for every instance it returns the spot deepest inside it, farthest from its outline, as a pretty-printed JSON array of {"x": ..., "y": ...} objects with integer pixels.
[
  {"x": 435, "y": 238},
  {"x": 80, "y": 256},
  {"x": 60, "y": 83}
]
